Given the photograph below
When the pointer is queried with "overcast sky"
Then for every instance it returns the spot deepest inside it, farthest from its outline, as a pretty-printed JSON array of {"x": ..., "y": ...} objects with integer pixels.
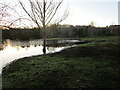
[
  {"x": 82, "y": 12},
  {"x": 101, "y": 12}
]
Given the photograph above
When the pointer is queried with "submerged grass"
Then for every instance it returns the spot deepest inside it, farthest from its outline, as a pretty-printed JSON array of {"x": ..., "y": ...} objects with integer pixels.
[{"x": 85, "y": 66}]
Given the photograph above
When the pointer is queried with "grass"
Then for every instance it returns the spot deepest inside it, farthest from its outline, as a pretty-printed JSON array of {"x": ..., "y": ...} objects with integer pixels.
[
  {"x": 93, "y": 65},
  {"x": 110, "y": 40}
]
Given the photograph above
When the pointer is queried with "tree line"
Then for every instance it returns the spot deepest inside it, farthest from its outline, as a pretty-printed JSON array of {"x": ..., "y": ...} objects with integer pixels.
[{"x": 60, "y": 31}]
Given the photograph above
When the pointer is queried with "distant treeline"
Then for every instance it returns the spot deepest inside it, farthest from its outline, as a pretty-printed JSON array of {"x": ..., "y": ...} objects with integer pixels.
[
  {"x": 60, "y": 31},
  {"x": 21, "y": 34}
]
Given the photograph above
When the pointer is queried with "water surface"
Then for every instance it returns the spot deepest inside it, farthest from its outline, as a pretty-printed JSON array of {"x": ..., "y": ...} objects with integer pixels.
[{"x": 12, "y": 50}]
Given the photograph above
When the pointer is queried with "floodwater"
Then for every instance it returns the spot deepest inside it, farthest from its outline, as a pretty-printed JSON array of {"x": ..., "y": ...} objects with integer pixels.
[{"x": 12, "y": 50}]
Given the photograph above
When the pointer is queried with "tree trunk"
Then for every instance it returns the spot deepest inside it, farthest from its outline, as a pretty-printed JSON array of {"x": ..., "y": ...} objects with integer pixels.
[
  {"x": 44, "y": 41},
  {"x": 44, "y": 27}
]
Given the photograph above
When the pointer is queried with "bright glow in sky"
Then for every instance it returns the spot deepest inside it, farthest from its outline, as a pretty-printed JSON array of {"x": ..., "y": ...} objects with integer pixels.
[
  {"x": 101, "y": 12},
  {"x": 83, "y": 12}
]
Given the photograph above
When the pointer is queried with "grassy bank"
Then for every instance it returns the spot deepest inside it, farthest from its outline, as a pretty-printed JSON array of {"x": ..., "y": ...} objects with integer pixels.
[{"x": 93, "y": 65}]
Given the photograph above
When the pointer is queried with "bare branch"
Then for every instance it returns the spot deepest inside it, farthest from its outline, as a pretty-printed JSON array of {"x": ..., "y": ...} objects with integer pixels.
[
  {"x": 49, "y": 5},
  {"x": 8, "y": 15},
  {"x": 66, "y": 14},
  {"x": 33, "y": 12},
  {"x": 40, "y": 9},
  {"x": 54, "y": 12},
  {"x": 49, "y": 12}
]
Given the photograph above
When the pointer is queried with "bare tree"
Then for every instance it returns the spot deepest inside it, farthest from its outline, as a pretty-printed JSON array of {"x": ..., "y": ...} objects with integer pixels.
[
  {"x": 8, "y": 15},
  {"x": 43, "y": 13},
  {"x": 3, "y": 15}
]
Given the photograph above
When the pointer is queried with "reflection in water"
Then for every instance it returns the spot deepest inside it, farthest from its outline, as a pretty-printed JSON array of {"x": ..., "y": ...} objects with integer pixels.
[{"x": 17, "y": 49}]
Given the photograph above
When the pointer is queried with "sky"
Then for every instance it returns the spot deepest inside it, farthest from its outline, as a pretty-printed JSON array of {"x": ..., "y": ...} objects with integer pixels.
[
  {"x": 83, "y": 12},
  {"x": 101, "y": 12}
]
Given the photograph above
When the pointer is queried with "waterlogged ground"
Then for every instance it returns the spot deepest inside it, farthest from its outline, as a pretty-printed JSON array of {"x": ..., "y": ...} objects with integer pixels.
[
  {"x": 93, "y": 65},
  {"x": 12, "y": 49},
  {"x": 16, "y": 49}
]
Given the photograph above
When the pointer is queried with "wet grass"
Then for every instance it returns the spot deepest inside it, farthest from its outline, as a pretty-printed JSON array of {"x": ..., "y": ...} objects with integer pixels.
[{"x": 94, "y": 65}]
